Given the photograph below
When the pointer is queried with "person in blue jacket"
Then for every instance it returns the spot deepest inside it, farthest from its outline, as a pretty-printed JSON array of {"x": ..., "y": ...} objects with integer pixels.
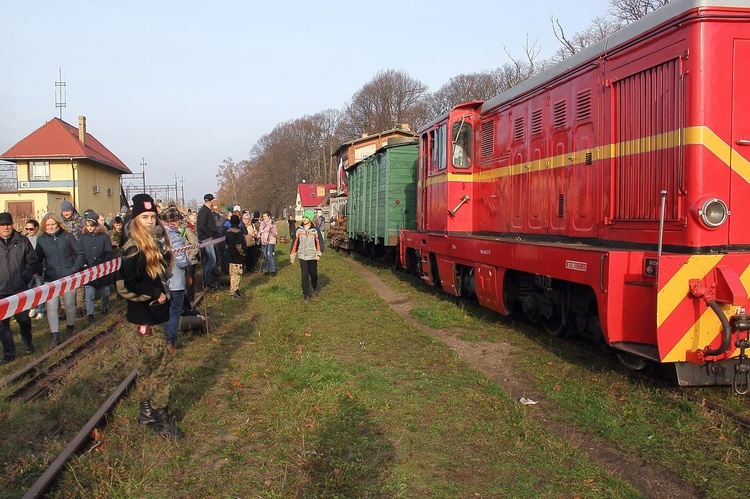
[
  {"x": 97, "y": 249},
  {"x": 61, "y": 255}
]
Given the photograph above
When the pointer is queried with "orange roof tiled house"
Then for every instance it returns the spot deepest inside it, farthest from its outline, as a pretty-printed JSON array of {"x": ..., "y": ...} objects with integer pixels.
[
  {"x": 58, "y": 162},
  {"x": 311, "y": 196}
]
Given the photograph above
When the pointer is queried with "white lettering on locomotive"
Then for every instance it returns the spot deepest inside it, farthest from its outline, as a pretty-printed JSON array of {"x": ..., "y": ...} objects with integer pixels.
[{"x": 579, "y": 266}]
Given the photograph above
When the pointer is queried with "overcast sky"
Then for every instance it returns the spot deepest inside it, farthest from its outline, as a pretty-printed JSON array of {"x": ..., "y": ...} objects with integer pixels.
[{"x": 186, "y": 84}]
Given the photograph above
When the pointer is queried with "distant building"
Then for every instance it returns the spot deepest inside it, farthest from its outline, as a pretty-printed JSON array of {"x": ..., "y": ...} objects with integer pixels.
[
  {"x": 311, "y": 197},
  {"x": 356, "y": 150},
  {"x": 59, "y": 162}
]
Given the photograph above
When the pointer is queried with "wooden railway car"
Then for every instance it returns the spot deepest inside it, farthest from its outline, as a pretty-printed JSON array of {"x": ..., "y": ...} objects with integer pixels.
[
  {"x": 382, "y": 198},
  {"x": 607, "y": 195}
]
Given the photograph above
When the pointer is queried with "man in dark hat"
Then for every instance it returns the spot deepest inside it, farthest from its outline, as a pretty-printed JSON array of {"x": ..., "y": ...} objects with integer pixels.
[
  {"x": 97, "y": 249},
  {"x": 73, "y": 220},
  {"x": 207, "y": 230},
  {"x": 18, "y": 263}
]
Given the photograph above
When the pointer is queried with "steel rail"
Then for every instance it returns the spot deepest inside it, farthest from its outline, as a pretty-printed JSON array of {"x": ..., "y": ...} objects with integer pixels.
[
  {"x": 36, "y": 365},
  {"x": 43, "y": 483}
]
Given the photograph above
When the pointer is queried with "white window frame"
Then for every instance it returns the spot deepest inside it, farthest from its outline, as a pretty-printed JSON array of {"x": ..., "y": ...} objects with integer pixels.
[{"x": 38, "y": 170}]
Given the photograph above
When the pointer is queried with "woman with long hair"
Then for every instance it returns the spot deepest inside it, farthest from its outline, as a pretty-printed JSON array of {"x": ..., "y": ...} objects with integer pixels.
[
  {"x": 142, "y": 281},
  {"x": 61, "y": 255},
  {"x": 268, "y": 233}
]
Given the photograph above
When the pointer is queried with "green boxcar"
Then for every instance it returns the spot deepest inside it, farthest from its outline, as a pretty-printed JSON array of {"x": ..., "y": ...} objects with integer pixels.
[{"x": 383, "y": 196}]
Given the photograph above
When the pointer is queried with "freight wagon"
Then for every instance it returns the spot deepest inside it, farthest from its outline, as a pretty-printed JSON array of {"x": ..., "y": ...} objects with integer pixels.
[{"x": 382, "y": 199}]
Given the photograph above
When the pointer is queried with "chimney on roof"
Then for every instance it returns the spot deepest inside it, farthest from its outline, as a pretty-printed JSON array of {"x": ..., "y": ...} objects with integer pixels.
[
  {"x": 404, "y": 126},
  {"x": 82, "y": 129}
]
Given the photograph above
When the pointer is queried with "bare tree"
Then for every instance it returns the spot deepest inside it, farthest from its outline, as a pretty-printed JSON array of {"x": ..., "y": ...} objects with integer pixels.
[
  {"x": 621, "y": 13},
  {"x": 390, "y": 98},
  {"x": 628, "y": 11},
  {"x": 293, "y": 151},
  {"x": 228, "y": 177},
  {"x": 600, "y": 28},
  {"x": 464, "y": 88}
]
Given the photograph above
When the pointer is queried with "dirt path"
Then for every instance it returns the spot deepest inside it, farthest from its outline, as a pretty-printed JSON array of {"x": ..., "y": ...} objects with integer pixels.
[{"x": 493, "y": 360}]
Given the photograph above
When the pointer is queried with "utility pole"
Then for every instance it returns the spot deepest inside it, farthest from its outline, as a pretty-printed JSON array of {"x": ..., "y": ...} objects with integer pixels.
[
  {"x": 182, "y": 185},
  {"x": 143, "y": 166}
]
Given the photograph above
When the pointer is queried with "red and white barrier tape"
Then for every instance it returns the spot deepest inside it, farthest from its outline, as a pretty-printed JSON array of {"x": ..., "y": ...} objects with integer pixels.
[
  {"x": 31, "y": 298},
  {"x": 210, "y": 242}
]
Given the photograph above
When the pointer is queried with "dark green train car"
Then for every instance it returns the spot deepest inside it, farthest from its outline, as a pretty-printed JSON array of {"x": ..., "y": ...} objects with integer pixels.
[{"x": 383, "y": 198}]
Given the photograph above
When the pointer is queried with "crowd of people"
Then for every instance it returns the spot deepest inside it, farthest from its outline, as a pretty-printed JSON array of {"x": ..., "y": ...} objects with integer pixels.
[{"x": 159, "y": 250}]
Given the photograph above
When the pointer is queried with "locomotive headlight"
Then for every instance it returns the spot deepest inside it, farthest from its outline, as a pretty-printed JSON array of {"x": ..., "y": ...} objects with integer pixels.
[{"x": 713, "y": 213}]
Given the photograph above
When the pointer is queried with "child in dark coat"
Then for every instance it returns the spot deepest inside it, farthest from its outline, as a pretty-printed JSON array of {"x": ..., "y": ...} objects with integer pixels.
[{"x": 237, "y": 249}]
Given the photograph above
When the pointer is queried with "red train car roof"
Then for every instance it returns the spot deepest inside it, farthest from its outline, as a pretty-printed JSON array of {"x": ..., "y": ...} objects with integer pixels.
[{"x": 662, "y": 17}]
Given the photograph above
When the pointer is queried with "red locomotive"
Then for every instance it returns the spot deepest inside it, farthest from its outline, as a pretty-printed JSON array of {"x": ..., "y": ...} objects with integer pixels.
[{"x": 608, "y": 195}]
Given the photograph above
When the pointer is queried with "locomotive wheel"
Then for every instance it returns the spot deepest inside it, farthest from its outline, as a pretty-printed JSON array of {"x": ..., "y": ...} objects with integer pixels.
[
  {"x": 411, "y": 262},
  {"x": 555, "y": 326},
  {"x": 393, "y": 256},
  {"x": 632, "y": 362}
]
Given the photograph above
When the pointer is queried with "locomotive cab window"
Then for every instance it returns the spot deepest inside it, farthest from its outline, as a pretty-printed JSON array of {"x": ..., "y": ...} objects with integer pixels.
[
  {"x": 437, "y": 139},
  {"x": 461, "y": 135}
]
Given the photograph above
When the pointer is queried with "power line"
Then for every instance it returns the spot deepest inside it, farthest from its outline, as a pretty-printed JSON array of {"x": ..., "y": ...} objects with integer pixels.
[{"x": 19, "y": 112}]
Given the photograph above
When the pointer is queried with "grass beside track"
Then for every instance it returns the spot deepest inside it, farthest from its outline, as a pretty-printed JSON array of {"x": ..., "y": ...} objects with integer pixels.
[{"x": 341, "y": 397}]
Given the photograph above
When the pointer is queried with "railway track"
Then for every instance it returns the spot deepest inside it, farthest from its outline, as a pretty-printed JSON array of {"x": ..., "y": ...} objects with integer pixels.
[
  {"x": 41, "y": 383},
  {"x": 38, "y": 379},
  {"x": 740, "y": 419},
  {"x": 81, "y": 344}
]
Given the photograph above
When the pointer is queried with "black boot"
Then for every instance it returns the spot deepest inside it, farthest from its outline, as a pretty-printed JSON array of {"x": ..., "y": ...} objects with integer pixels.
[
  {"x": 26, "y": 336},
  {"x": 55, "y": 340},
  {"x": 163, "y": 426},
  {"x": 70, "y": 331},
  {"x": 147, "y": 415}
]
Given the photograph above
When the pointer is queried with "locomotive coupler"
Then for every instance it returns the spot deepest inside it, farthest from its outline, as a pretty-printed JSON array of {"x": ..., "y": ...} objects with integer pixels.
[
  {"x": 699, "y": 290},
  {"x": 741, "y": 381},
  {"x": 708, "y": 295}
]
